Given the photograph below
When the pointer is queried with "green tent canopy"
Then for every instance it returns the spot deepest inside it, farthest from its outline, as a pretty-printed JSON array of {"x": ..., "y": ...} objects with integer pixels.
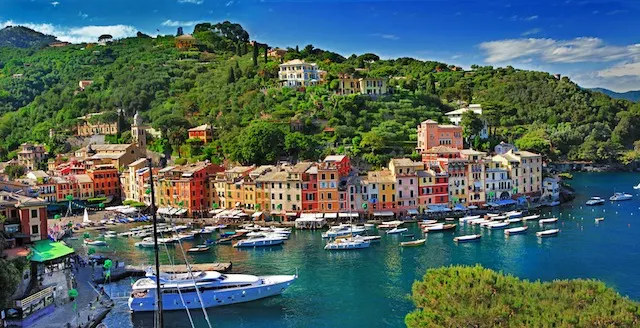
[{"x": 47, "y": 250}]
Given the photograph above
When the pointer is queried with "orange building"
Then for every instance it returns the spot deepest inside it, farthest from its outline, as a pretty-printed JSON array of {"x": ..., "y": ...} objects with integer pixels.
[
  {"x": 328, "y": 180},
  {"x": 202, "y": 132},
  {"x": 185, "y": 42},
  {"x": 431, "y": 134},
  {"x": 106, "y": 181}
]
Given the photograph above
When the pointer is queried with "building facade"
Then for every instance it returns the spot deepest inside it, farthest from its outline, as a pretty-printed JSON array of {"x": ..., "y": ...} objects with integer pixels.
[
  {"x": 298, "y": 73},
  {"x": 431, "y": 134},
  {"x": 456, "y": 118},
  {"x": 31, "y": 155},
  {"x": 25, "y": 217}
]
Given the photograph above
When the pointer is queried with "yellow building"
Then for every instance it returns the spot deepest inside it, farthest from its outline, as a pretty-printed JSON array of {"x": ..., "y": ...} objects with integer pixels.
[
  {"x": 382, "y": 188},
  {"x": 88, "y": 128},
  {"x": 347, "y": 84},
  {"x": 525, "y": 170},
  {"x": 373, "y": 86},
  {"x": 475, "y": 175}
]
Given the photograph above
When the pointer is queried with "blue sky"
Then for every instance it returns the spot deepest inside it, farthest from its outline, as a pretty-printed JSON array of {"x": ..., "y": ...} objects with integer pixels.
[{"x": 596, "y": 43}]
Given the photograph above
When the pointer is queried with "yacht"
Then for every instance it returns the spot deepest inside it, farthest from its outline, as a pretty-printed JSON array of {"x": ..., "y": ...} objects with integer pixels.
[
  {"x": 620, "y": 196},
  {"x": 342, "y": 230},
  {"x": 595, "y": 201},
  {"x": 271, "y": 240},
  {"x": 390, "y": 224},
  {"x": 347, "y": 244},
  {"x": 215, "y": 289}
]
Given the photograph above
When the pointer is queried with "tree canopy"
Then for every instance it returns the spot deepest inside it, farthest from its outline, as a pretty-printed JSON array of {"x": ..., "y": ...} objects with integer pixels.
[{"x": 460, "y": 296}]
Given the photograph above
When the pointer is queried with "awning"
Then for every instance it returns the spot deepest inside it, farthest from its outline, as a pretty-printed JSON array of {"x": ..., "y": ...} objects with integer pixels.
[
  {"x": 472, "y": 207},
  {"x": 256, "y": 214},
  {"x": 347, "y": 215},
  {"x": 503, "y": 202},
  {"x": 459, "y": 207},
  {"x": 181, "y": 212},
  {"x": 436, "y": 208},
  {"x": 319, "y": 215},
  {"x": 47, "y": 250},
  {"x": 331, "y": 215},
  {"x": 292, "y": 214},
  {"x": 412, "y": 212},
  {"x": 216, "y": 211},
  {"x": 383, "y": 213}
]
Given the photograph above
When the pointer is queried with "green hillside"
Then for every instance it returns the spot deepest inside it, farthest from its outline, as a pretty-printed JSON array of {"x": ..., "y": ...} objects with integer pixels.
[
  {"x": 216, "y": 82},
  {"x": 22, "y": 37}
]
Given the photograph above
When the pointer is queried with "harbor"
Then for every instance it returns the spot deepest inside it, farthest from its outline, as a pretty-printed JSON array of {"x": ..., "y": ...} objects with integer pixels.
[{"x": 378, "y": 278}]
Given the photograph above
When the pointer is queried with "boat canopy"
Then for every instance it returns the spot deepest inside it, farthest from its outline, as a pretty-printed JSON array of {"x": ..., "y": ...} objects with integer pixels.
[
  {"x": 502, "y": 202},
  {"x": 412, "y": 211},
  {"x": 383, "y": 213},
  {"x": 292, "y": 214}
]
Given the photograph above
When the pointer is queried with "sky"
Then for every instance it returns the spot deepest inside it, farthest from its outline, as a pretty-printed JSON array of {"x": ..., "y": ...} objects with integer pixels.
[{"x": 594, "y": 42}]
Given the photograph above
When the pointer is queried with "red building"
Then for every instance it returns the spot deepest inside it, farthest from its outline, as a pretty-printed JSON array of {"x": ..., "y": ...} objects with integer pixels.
[
  {"x": 186, "y": 187},
  {"x": 26, "y": 217},
  {"x": 310, "y": 190},
  {"x": 342, "y": 164},
  {"x": 106, "y": 181}
]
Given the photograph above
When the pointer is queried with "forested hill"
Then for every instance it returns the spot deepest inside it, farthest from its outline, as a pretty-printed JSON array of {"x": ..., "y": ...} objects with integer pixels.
[
  {"x": 216, "y": 81},
  {"x": 22, "y": 37},
  {"x": 629, "y": 95}
]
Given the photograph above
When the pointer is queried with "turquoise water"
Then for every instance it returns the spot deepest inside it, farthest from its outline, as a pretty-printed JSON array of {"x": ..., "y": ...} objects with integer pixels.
[{"x": 370, "y": 288}]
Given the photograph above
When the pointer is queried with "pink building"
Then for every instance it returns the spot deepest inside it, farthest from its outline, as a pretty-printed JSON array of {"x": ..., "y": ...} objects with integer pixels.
[{"x": 431, "y": 134}]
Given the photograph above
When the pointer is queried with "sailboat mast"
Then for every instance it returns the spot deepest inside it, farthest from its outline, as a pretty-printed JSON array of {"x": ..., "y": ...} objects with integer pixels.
[{"x": 155, "y": 246}]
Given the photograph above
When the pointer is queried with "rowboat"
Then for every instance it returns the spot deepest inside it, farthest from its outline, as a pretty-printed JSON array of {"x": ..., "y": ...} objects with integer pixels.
[
  {"x": 498, "y": 225},
  {"x": 531, "y": 217},
  {"x": 198, "y": 249},
  {"x": 515, "y": 231},
  {"x": 513, "y": 220},
  {"x": 468, "y": 218},
  {"x": 547, "y": 233},
  {"x": 467, "y": 238},
  {"x": 396, "y": 231},
  {"x": 428, "y": 222},
  {"x": 413, "y": 243},
  {"x": 449, "y": 219},
  {"x": 371, "y": 239},
  {"x": 548, "y": 221},
  {"x": 439, "y": 227},
  {"x": 599, "y": 219}
]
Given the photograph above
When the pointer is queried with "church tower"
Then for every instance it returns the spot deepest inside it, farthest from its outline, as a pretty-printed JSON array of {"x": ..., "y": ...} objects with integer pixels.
[{"x": 138, "y": 133}]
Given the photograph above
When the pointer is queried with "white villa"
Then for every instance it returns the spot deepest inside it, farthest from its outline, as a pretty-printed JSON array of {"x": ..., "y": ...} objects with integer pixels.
[
  {"x": 456, "y": 116},
  {"x": 297, "y": 73}
]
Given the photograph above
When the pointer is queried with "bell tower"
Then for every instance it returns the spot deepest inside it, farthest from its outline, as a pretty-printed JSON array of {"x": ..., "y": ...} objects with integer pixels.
[{"x": 138, "y": 132}]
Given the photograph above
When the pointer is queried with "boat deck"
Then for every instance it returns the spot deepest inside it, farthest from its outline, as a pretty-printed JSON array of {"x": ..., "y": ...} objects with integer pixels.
[{"x": 181, "y": 268}]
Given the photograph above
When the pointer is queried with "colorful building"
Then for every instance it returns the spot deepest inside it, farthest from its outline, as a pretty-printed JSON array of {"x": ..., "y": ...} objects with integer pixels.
[
  {"x": 310, "y": 190},
  {"x": 31, "y": 155},
  {"x": 90, "y": 124},
  {"x": 298, "y": 73},
  {"x": 186, "y": 187},
  {"x": 106, "y": 181},
  {"x": 475, "y": 172},
  {"x": 328, "y": 180},
  {"x": 525, "y": 171},
  {"x": 431, "y": 134},
  {"x": 406, "y": 178},
  {"x": 382, "y": 191},
  {"x": 26, "y": 217},
  {"x": 203, "y": 132}
]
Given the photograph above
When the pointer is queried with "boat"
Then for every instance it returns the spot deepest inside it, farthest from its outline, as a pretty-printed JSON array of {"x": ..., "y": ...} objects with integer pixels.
[
  {"x": 408, "y": 235},
  {"x": 547, "y": 233},
  {"x": 342, "y": 230},
  {"x": 599, "y": 219},
  {"x": 513, "y": 214},
  {"x": 620, "y": 196},
  {"x": 95, "y": 242},
  {"x": 369, "y": 226},
  {"x": 85, "y": 217},
  {"x": 479, "y": 221},
  {"x": 514, "y": 220},
  {"x": 260, "y": 242},
  {"x": 595, "y": 200},
  {"x": 531, "y": 217},
  {"x": 442, "y": 227},
  {"x": 554, "y": 203},
  {"x": 396, "y": 231},
  {"x": 498, "y": 225},
  {"x": 637, "y": 187},
  {"x": 413, "y": 243},
  {"x": 371, "y": 239},
  {"x": 145, "y": 243},
  {"x": 449, "y": 219},
  {"x": 468, "y": 218},
  {"x": 548, "y": 221},
  {"x": 390, "y": 224},
  {"x": 428, "y": 222},
  {"x": 347, "y": 243},
  {"x": 467, "y": 238},
  {"x": 515, "y": 231},
  {"x": 214, "y": 289},
  {"x": 199, "y": 249}
]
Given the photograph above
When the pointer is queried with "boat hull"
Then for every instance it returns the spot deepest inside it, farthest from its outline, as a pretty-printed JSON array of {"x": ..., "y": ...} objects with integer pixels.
[{"x": 210, "y": 298}]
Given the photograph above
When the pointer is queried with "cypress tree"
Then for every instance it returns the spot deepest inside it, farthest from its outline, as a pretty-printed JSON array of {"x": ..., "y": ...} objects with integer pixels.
[
  {"x": 297, "y": 50},
  {"x": 255, "y": 55},
  {"x": 230, "y": 76},
  {"x": 238, "y": 71},
  {"x": 265, "y": 53}
]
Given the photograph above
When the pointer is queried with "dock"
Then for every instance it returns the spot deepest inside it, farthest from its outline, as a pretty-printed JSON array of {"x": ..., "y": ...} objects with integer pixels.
[{"x": 182, "y": 268}]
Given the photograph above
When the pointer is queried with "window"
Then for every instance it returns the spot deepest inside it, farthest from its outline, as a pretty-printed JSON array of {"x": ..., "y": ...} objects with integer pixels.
[
  {"x": 34, "y": 214},
  {"x": 35, "y": 229},
  {"x": 280, "y": 196},
  {"x": 400, "y": 182}
]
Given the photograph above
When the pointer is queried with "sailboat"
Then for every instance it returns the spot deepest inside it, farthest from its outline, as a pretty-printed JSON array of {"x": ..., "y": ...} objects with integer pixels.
[
  {"x": 348, "y": 242},
  {"x": 203, "y": 289},
  {"x": 85, "y": 218}
]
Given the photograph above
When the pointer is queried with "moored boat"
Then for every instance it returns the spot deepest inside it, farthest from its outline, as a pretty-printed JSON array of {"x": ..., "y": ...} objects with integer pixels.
[
  {"x": 260, "y": 242},
  {"x": 413, "y": 243},
  {"x": 547, "y": 233},
  {"x": 371, "y": 239},
  {"x": 396, "y": 231},
  {"x": 530, "y": 217},
  {"x": 347, "y": 244},
  {"x": 440, "y": 227},
  {"x": 428, "y": 222},
  {"x": 467, "y": 238},
  {"x": 548, "y": 221},
  {"x": 595, "y": 200},
  {"x": 498, "y": 225},
  {"x": 620, "y": 196},
  {"x": 637, "y": 187},
  {"x": 513, "y": 214},
  {"x": 599, "y": 220},
  {"x": 467, "y": 218},
  {"x": 199, "y": 249},
  {"x": 95, "y": 242},
  {"x": 515, "y": 231}
]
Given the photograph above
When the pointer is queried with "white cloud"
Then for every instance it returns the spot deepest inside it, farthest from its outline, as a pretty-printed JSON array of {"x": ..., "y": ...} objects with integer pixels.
[
  {"x": 229, "y": 3},
  {"x": 530, "y": 18},
  {"x": 195, "y": 2},
  {"x": 583, "y": 49},
  {"x": 520, "y": 18},
  {"x": 531, "y": 32},
  {"x": 55, "y": 3},
  {"x": 83, "y": 15},
  {"x": 386, "y": 36},
  {"x": 623, "y": 69},
  {"x": 173, "y": 23},
  {"x": 78, "y": 34}
]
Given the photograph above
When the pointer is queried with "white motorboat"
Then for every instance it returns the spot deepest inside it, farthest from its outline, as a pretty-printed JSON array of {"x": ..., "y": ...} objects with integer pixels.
[
  {"x": 467, "y": 238},
  {"x": 260, "y": 242},
  {"x": 95, "y": 242},
  {"x": 498, "y": 225},
  {"x": 145, "y": 243},
  {"x": 514, "y": 220},
  {"x": 449, "y": 219},
  {"x": 342, "y": 230},
  {"x": 369, "y": 226},
  {"x": 595, "y": 200},
  {"x": 396, "y": 231},
  {"x": 215, "y": 289},
  {"x": 547, "y": 233},
  {"x": 390, "y": 224},
  {"x": 428, "y": 222},
  {"x": 548, "y": 221},
  {"x": 479, "y": 221},
  {"x": 531, "y": 217},
  {"x": 599, "y": 220},
  {"x": 637, "y": 187},
  {"x": 515, "y": 231},
  {"x": 198, "y": 249},
  {"x": 620, "y": 196},
  {"x": 513, "y": 214},
  {"x": 439, "y": 227},
  {"x": 464, "y": 219},
  {"x": 347, "y": 244}
]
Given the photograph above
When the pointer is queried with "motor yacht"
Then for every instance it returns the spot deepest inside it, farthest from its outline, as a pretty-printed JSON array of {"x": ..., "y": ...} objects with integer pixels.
[
  {"x": 348, "y": 243},
  {"x": 620, "y": 196},
  {"x": 595, "y": 201}
]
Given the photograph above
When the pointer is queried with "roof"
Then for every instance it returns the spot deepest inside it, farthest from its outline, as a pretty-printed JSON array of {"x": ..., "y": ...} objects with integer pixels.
[
  {"x": 380, "y": 176},
  {"x": 47, "y": 250},
  {"x": 107, "y": 156},
  {"x": 273, "y": 176},
  {"x": 524, "y": 153},
  {"x": 312, "y": 170},
  {"x": 402, "y": 162},
  {"x": 471, "y": 152},
  {"x": 83, "y": 178},
  {"x": 334, "y": 158},
  {"x": 38, "y": 174},
  {"x": 296, "y": 62},
  {"x": 111, "y": 147},
  {"x": 138, "y": 162},
  {"x": 185, "y": 37},
  {"x": 203, "y": 127},
  {"x": 11, "y": 198},
  {"x": 301, "y": 167},
  {"x": 429, "y": 122},
  {"x": 442, "y": 149},
  {"x": 239, "y": 169},
  {"x": 476, "y": 108}
]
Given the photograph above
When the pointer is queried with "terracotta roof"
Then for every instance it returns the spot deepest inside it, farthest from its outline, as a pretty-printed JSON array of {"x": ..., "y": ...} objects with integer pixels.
[
  {"x": 442, "y": 149},
  {"x": 301, "y": 167},
  {"x": 334, "y": 158},
  {"x": 14, "y": 199},
  {"x": 185, "y": 37},
  {"x": 83, "y": 178},
  {"x": 111, "y": 147},
  {"x": 380, "y": 176},
  {"x": 429, "y": 122},
  {"x": 203, "y": 127}
]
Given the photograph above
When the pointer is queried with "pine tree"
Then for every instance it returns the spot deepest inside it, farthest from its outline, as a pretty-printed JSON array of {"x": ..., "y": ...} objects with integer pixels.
[
  {"x": 297, "y": 50},
  {"x": 230, "y": 76}
]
